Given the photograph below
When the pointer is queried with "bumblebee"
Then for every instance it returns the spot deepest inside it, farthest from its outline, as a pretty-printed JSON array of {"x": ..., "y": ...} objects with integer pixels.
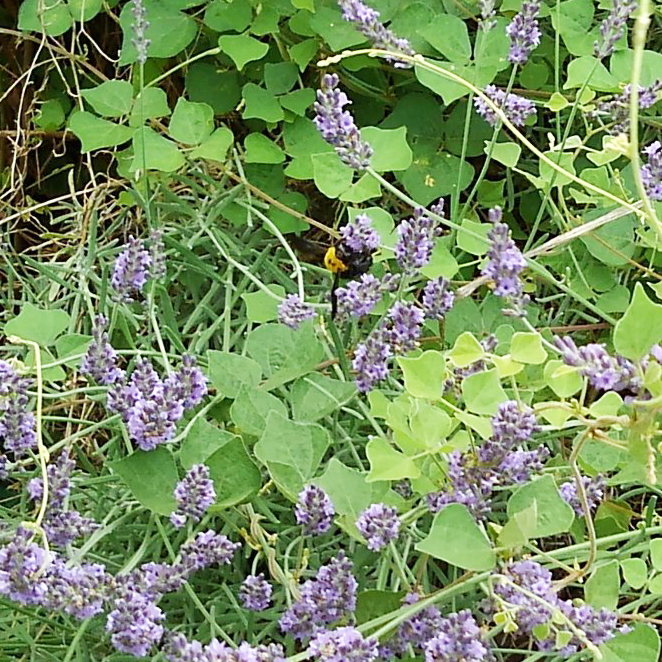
[{"x": 343, "y": 263}]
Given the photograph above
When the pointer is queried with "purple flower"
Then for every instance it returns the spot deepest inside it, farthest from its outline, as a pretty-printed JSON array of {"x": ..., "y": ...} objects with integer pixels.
[
  {"x": 604, "y": 372},
  {"x": 612, "y": 28},
  {"x": 413, "y": 248},
  {"x": 505, "y": 263},
  {"x": 157, "y": 254},
  {"x": 344, "y": 644},
  {"x": 438, "y": 298},
  {"x": 337, "y": 125},
  {"x": 487, "y": 14},
  {"x": 516, "y": 108},
  {"x": 418, "y": 629},
  {"x": 513, "y": 424},
  {"x": 359, "y": 235},
  {"x": 187, "y": 384},
  {"x": 135, "y": 625},
  {"x": 518, "y": 465},
  {"x": 100, "y": 360},
  {"x": 359, "y": 297},
  {"x": 314, "y": 510},
  {"x": 379, "y": 524},
  {"x": 404, "y": 322},
  {"x": 651, "y": 173},
  {"x": 366, "y": 21},
  {"x": 20, "y": 559},
  {"x": 193, "y": 494},
  {"x": 324, "y": 600},
  {"x": 78, "y": 590},
  {"x": 255, "y": 592},
  {"x": 130, "y": 271},
  {"x": 292, "y": 311},
  {"x": 152, "y": 422},
  {"x": 524, "y": 32},
  {"x": 616, "y": 109},
  {"x": 139, "y": 27},
  {"x": 458, "y": 639},
  {"x": 17, "y": 425},
  {"x": 207, "y": 548},
  {"x": 371, "y": 360},
  {"x": 594, "y": 489}
]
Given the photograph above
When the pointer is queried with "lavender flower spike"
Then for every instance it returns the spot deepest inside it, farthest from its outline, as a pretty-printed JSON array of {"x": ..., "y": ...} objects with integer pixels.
[
  {"x": 139, "y": 28},
  {"x": 337, "y": 125},
  {"x": 413, "y": 249},
  {"x": 359, "y": 297},
  {"x": 594, "y": 489},
  {"x": 651, "y": 173},
  {"x": 366, "y": 21},
  {"x": 194, "y": 494},
  {"x": 524, "y": 32},
  {"x": 437, "y": 298},
  {"x": 130, "y": 271},
  {"x": 612, "y": 28},
  {"x": 379, "y": 524},
  {"x": 359, "y": 235},
  {"x": 17, "y": 425},
  {"x": 255, "y": 593},
  {"x": 458, "y": 639},
  {"x": 516, "y": 108},
  {"x": 371, "y": 360},
  {"x": 293, "y": 312},
  {"x": 344, "y": 644},
  {"x": 100, "y": 359},
  {"x": 314, "y": 510}
]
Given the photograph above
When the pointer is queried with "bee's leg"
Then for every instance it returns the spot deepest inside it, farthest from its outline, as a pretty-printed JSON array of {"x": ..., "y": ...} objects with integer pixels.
[{"x": 334, "y": 298}]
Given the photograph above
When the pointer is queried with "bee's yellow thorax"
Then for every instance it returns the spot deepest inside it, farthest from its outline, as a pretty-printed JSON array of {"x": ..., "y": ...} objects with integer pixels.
[{"x": 332, "y": 262}]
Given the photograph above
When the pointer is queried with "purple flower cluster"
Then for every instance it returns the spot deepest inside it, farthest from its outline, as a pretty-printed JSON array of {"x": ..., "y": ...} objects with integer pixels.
[
  {"x": 344, "y": 644},
  {"x": 594, "y": 489},
  {"x": 139, "y": 27},
  {"x": 324, "y": 600},
  {"x": 598, "y": 626},
  {"x": 612, "y": 28},
  {"x": 366, "y": 21},
  {"x": 417, "y": 630},
  {"x": 193, "y": 494},
  {"x": 604, "y": 372},
  {"x": 62, "y": 526},
  {"x": 100, "y": 360},
  {"x": 359, "y": 235},
  {"x": 651, "y": 172},
  {"x": 437, "y": 298},
  {"x": 500, "y": 461},
  {"x": 458, "y": 639},
  {"x": 524, "y": 32},
  {"x": 516, "y": 108},
  {"x": 379, "y": 524},
  {"x": 616, "y": 109},
  {"x": 178, "y": 649},
  {"x": 337, "y": 125},
  {"x": 358, "y": 297},
  {"x": 505, "y": 263},
  {"x": 131, "y": 270},
  {"x": 151, "y": 406},
  {"x": 416, "y": 235},
  {"x": 255, "y": 592},
  {"x": 17, "y": 425},
  {"x": 135, "y": 624},
  {"x": 293, "y": 312},
  {"x": 314, "y": 510}
]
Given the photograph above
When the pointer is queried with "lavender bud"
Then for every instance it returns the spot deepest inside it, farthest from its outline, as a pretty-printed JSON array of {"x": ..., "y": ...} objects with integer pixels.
[
  {"x": 458, "y": 639},
  {"x": 438, "y": 299},
  {"x": 337, "y": 125},
  {"x": 130, "y": 271},
  {"x": 135, "y": 625},
  {"x": 359, "y": 297},
  {"x": 488, "y": 15},
  {"x": 612, "y": 28},
  {"x": 188, "y": 384},
  {"x": 516, "y": 108},
  {"x": 292, "y": 311},
  {"x": 651, "y": 173},
  {"x": 379, "y": 524},
  {"x": 194, "y": 494},
  {"x": 139, "y": 27},
  {"x": 157, "y": 255},
  {"x": 17, "y": 425},
  {"x": 405, "y": 321},
  {"x": 207, "y": 548},
  {"x": 417, "y": 630},
  {"x": 413, "y": 249},
  {"x": 100, "y": 360},
  {"x": 255, "y": 592},
  {"x": 616, "y": 109},
  {"x": 371, "y": 360},
  {"x": 594, "y": 489},
  {"x": 359, "y": 235},
  {"x": 344, "y": 644},
  {"x": 524, "y": 32},
  {"x": 314, "y": 510}
]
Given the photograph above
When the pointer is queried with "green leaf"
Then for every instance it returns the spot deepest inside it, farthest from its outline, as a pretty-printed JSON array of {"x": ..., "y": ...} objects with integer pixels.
[
  {"x": 386, "y": 463},
  {"x": 373, "y": 603},
  {"x": 48, "y": 16},
  {"x": 347, "y": 488},
  {"x": 84, "y": 10},
  {"x": 424, "y": 375},
  {"x": 506, "y": 153},
  {"x": 242, "y": 48},
  {"x": 641, "y": 644},
  {"x": 261, "y": 104},
  {"x": 280, "y": 77},
  {"x": 457, "y": 539},
  {"x": 53, "y": 373},
  {"x": 260, "y": 149},
  {"x": 519, "y": 528},
  {"x": 191, "y": 122},
  {"x": 467, "y": 239},
  {"x": 202, "y": 440},
  {"x": 339, "y": 34},
  {"x": 50, "y": 116},
  {"x": 315, "y": 396},
  {"x": 260, "y": 307},
  {"x": 38, "y": 325},
  {"x": 151, "y": 476},
  {"x": 149, "y": 104},
  {"x": 632, "y": 338},
  {"x": 228, "y": 372},
  {"x": 391, "y": 151},
  {"x": 448, "y": 90},
  {"x": 169, "y": 31},
  {"x": 291, "y": 452},
  {"x": 551, "y": 177},
  {"x": 449, "y": 35},
  {"x": 635, "y": 572},
  {"x": 113, "y": 98},
  {"x": 72, "y": 345},
  {"x": 224, "y": 16},
  {"x": 573, "y": 19},
  {"x": 655, "y": 585},
  {"x": 554, "y": 514},
  {"x": 298, "y": 101},
  {"x": 251, "y": 408},
  {"x": 95, "y": 133},
  {"x": 466, "y": 350},
  {"x": 601, "y": 589},
  {"x": 587, "y": 69},
  {"x": 151, "y": 151},
  {"x": 527, "y": 347},
  {"x": 216, "y": 146},
  {"x": 332, "y": 177},
  {"x": 236, "y": 477},
  {"x": 303, "y": 52},
  {"x": 613, "y": 243},
  {"x": 219, "y": 89},
  {"x": 365, "y": 188},
  {"x": 284, "y": 353},
  {"x": 482, "y": 392},
  {"x": 656, "y": 553},
  {"x": 562, "y": 379}
]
